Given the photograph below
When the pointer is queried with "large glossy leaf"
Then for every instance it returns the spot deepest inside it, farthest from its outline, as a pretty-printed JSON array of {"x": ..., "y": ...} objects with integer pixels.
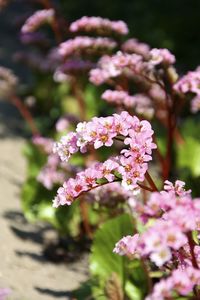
[{"x": 104, "y": 263}]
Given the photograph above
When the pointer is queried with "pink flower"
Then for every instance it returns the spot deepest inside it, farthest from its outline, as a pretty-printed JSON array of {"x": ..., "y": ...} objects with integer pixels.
[
  {"x": 46, "y": 144},
  {"x": 85, "y": 43},
  {"x": 62, "y": 124},
  {"x": 132, "y": 162},
  {"x": 107, "y": 169},
  {"x": 39, "y": 18},
  {"x": 134, "y": 46},
  {"x": 162, "y": 290},
  {"x": 188, "y": 83},
  {"x": 195, "y": 104},
  {"x": 118, "y": 64},
  {"x": 162, "y": 56},
  {"x": 100, "y": 25},
  {"x": 127, "y": 245},
  {"x": 177, "y": 188},
  {"x": 181, "y": 282},
  {"x": 67, "y": 146},
  {"x": 161, "y": 256}
]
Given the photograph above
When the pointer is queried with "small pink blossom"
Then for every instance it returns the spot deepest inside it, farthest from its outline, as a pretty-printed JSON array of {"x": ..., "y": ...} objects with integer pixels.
[
  {"x": 161, "y": 256},
  {"x": 162, "y": 56},
  {"x": 127, "y": 245}
]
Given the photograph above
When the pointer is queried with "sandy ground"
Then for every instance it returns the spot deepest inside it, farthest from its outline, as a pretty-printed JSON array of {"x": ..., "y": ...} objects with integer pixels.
[{"x": 23, "y": 268}]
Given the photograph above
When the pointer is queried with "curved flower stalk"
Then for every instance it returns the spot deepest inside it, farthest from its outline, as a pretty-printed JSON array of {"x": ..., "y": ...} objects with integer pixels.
[
  {"x": 170, "y": 217},
  {"x": 129, "y": 167},
  {"x": 99, "y": 25},
  {"x": 39, "y": 18}
]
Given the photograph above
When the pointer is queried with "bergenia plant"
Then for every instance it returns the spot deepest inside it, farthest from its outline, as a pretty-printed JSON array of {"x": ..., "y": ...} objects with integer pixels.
[
  {"x": 121, "y": 157},
  {"x": 147, "y": 92}
]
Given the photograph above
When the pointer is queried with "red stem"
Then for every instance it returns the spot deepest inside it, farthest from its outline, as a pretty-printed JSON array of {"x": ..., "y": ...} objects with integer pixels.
[
  {"x": 151, "y": 182},
  {"x": 146, "y": 188},
  {"x": 85, "y": 217},
  {"x": 25, "y": 114}
]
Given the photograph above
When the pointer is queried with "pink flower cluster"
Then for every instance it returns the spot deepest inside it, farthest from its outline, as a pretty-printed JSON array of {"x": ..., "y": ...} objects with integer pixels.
[
  {"x": 50, "y": 174},
  {"x": 162, "y": 56},
  {"x": 84, "y": 182},
  {"x": 39, "y": 18},
  {"x": 170, "y": 216},
  {"x": 140, "y": 102},
  {"x": 116, "y": 65},
  {"x": 100, "y": 25},
  {"x": 86, "y": 44},
  {"x": 127, "y": 245},
  {"x": 134, "y": 46},
  {"x": 190, "y": 83},
  {"x": 54, "y": 171},
  {"x": 119, "y": 98},
  {"x": 181, "y": 281},
  {"x": 129, "y": 65},
  {"x": 129, "y": 167},
  {"x": 166, "y": 240}
]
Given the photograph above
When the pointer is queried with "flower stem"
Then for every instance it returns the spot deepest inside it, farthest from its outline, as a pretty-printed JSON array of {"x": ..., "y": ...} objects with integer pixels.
[
  {"x": 144, "y": 187},
  {"x": 25, "y": 114},
  {"x": 85, "y": 217},
  {"x": 151, "y": 182}
]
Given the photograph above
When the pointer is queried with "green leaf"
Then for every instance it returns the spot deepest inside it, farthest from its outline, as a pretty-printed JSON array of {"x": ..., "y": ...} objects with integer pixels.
[
  {"x": 188, "y": 153},
  {"x": 103, "y": 262},
  {"x": 132, "y": 291}
]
